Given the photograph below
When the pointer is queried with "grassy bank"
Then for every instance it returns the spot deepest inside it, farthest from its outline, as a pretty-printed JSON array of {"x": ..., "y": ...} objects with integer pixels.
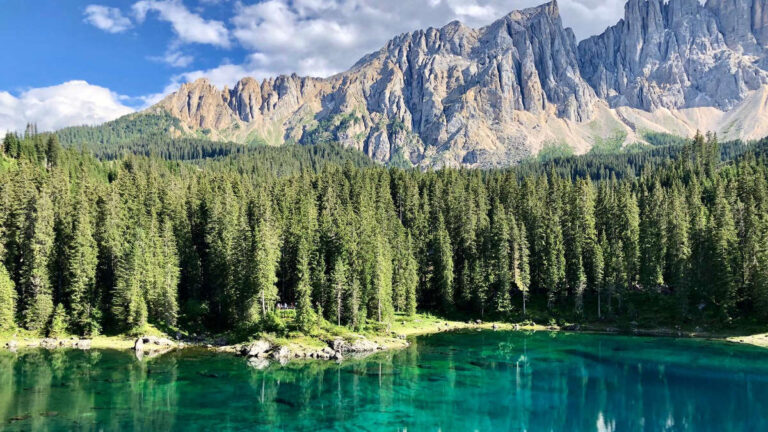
[{"x": 394, "y": 336}]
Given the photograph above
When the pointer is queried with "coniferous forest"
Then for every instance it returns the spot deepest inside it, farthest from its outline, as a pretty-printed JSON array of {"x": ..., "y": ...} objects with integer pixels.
[{"x": 214, "y": 239}]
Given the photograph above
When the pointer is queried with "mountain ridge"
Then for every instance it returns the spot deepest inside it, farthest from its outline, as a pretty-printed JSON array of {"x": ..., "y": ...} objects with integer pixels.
[{"x": 491, "y": 96}]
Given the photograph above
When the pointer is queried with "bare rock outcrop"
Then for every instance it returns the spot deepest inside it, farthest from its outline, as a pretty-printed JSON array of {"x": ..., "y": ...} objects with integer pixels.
[{"x": 491, "y": 96}]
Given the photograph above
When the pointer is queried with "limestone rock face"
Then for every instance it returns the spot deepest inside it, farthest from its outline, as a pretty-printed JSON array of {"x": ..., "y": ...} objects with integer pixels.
[
  {"x": 677, "y": 54},
  {"x": 436, "y": 97},
  {"x": 460, "y": 96}
]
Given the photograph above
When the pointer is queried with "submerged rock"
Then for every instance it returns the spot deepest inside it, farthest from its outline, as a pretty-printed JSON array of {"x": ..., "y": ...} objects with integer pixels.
[{"x": 258, "y": 363}]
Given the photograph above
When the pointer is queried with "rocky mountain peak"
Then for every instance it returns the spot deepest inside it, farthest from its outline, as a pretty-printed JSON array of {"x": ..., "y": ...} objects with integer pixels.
[
  {"x": 490, "y": 96},
  {"x": 673, "y": 54}
]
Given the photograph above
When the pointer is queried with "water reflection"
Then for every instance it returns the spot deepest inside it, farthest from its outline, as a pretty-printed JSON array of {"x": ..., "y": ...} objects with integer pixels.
[{"x": 483, "y": 381}]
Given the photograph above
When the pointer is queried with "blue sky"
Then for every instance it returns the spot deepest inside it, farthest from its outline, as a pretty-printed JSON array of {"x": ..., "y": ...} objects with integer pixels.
[
  {"x": 61, "y": 46},
  {"x": 71, "y": 62}
]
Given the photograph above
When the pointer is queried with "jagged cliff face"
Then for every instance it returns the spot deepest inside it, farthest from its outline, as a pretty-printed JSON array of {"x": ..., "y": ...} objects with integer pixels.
[
  {"x": 676, "y": 54},
  {"x": 491, "y": 96}
]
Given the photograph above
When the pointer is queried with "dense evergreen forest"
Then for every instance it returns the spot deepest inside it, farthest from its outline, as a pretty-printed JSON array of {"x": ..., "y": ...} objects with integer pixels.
[{"x": 677, "y": 234}]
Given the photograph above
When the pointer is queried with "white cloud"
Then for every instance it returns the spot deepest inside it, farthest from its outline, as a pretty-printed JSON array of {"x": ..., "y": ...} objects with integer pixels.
[
  {"x": 72, "y": 103},
  {"x": 175, "y": 58},
  {"x": 189, "y": 27},
  {"x": 109, "y": 19}
]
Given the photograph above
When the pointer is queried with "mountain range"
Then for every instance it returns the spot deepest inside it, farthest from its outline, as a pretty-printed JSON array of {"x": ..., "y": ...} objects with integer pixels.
[{"x": 491, "y": 96}]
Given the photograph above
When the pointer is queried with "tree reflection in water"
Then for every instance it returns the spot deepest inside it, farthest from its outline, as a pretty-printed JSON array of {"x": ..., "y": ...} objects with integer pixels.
[{"x": 487, "y": 381}]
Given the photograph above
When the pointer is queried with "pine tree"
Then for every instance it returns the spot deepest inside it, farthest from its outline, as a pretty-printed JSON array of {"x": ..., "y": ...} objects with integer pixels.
[
  {"x": 52, "y": 151},
  {"x": 7, "y": 300},
  {"x": 592, "y": 251},
  {"x": 721, "y": 249},
  {"x": 399, "y": 265},
  {"x": 554, "y": 276},
  {"x": 167, "y": 305},
  {"x": 442, "y": 263},
  {"x": 678, "y": 247},
  {"x": 82, "y": 260},
  {"x": 522, "y": 269},
  {"x": 500, "y": 259},
  {"x": 305, "y": 315},
  {"x": 410, "y": 279},
  {"x": 381, "y": 301},
  {"x": 265, "y": 262},
  {"x": 627, "y": 214},
  {"x": 37, "y": 296},
  {"x": 129, "y": 306},
  {"x": 59, "y": 322},
  {"x": 339, "y": 283},
  {"x": 653, "y": 232}
]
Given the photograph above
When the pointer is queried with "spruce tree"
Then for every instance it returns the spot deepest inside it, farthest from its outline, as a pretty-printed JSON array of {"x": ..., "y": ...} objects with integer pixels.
[
  {"x": 653, "y": 232},
  {"x": 53, "y": 151},
  {"x": 442, "y": 264},
  {"x": 501, "y": 260},
  {"x": 522, "y": 268},
  {"x": 381, "y": 301},
  {"x": 339, "y": 283},
  {"x": 167, "y": 291},
  {"x": 36, "y": 289},
  {"x": 678, "y": 247},
  {"x": 82, "y": 260},
  {"x": 7, "y": 300},
  {"x": 721, "y": 249},
  {"x": 410, "y": 279},
  {"x": 305, "y": 315},
  {"x": 266, "y": 259},
  {"x": 129, "y": 306}
]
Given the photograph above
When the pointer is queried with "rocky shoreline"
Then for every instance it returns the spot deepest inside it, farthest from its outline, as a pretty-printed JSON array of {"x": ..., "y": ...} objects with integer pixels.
[{"x": 260, "y": 353}]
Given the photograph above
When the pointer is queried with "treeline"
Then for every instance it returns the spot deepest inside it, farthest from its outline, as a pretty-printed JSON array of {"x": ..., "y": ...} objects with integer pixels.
[{"x": 90, "y": 246}]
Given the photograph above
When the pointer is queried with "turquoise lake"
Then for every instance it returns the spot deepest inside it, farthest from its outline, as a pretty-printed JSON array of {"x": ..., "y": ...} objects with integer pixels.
[{"x": 466, "y": 381}]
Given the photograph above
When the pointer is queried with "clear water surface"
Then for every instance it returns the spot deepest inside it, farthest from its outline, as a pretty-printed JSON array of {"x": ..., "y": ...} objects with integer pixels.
[{"x": 467, "y": 381}]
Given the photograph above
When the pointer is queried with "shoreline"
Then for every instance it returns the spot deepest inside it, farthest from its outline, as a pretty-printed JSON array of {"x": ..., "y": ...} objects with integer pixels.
[{"x": 355, "y": 344}]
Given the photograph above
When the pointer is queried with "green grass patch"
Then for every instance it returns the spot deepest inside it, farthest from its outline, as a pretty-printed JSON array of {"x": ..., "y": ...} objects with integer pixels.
[{"x": 554, "y": 151}]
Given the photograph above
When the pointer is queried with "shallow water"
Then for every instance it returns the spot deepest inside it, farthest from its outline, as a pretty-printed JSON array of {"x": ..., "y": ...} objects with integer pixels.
[{"x": 484, "y": 381}]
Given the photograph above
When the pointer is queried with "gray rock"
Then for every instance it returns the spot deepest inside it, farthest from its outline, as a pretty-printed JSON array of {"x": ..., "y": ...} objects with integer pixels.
[
  {"x": 676, "y": 54},
  {"x": 82, "y": 344},
  {"x": 455, "y": 88},
  {"x": 256, "y": 349},
  {"x": 50, "y": 343},
  {"x": 281, "y": 353},
  {"x": 494, "y": 95},
  {"x": 359, "y": 345}
]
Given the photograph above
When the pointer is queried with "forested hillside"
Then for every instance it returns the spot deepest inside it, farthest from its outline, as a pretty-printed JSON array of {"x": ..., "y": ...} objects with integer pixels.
[{"x": 675, "y": 234}]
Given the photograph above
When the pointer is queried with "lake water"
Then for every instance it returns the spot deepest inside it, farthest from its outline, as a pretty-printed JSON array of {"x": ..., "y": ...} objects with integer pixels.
[{"x": 469, "y": 381}]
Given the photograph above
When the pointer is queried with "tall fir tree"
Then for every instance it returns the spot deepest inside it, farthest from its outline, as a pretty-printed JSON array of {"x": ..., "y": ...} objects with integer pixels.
[
  {"x": 305, "y": 314},
  {"x": 653, "y": 232},
  {"x": 7, "y": 300},
  {"x": 82, "y": 260},
  {"x": 36, "y": 289},
  {"x": 500, "y": 258}
]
